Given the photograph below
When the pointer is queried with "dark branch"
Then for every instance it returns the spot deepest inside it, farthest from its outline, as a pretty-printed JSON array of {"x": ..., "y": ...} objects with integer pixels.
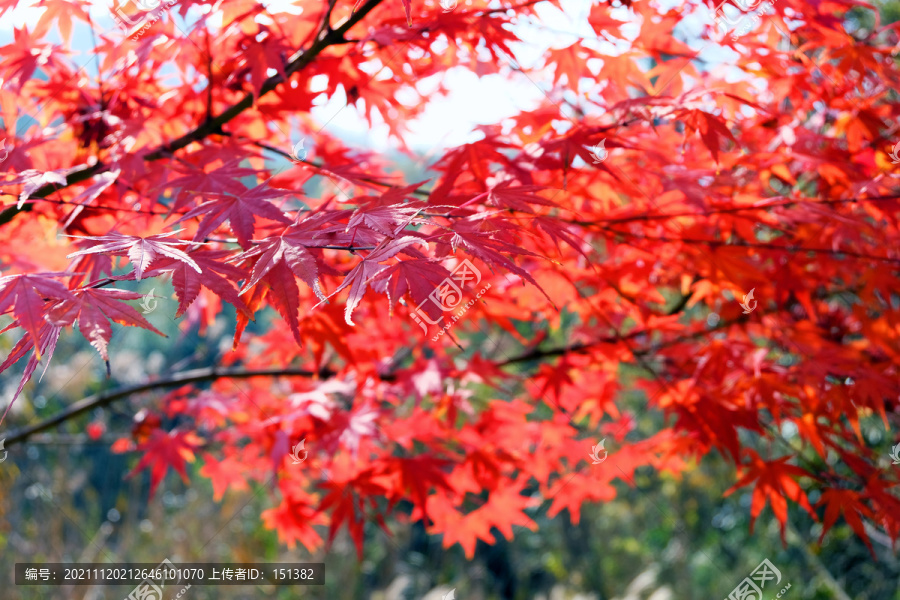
[
  {"x": 213, "y": 373},
  {"x": 792, "y": 248},
  {"x": 213, "y": 125},
  {"x": 186, "y": 377}
]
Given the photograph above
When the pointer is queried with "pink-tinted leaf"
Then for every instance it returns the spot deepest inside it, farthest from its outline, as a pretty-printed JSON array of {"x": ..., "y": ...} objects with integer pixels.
[
  {"x": 94, "y": 308},
  {"x": 141, "y": 251},
  {"x": 46, "y": 338},
  {"x": 239, "y": 211},
  {"x": 358, "y": 278},
  {"x": 25, "y": 295}
]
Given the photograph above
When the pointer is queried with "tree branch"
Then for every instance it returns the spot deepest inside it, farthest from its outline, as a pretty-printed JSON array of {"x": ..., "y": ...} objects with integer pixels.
[
  {"x": 793, "y": 248},
  {"x": 213, "y": 125},
  {"x": 581, "y": 347},
  {"x": 186, "y": 377},
  {"x": 213, "y": 373},
  {"x": 736, "y": 209},
  {"x": 418, "y": 191}
]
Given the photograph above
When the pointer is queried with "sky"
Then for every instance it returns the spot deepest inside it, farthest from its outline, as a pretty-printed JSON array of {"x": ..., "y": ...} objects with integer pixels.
[{"x": 447, "y": 121}]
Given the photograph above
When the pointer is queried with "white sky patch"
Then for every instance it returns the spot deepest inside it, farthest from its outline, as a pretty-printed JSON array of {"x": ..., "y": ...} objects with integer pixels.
[
  {"x": 22, "y": 14},
  {"x": 447, "y": 121}
]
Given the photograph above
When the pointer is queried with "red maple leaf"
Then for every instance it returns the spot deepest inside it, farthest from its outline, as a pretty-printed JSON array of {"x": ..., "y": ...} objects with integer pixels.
[
  {"x": 215, "y": 275},
  {"x": 198, "y": 182},
  {"x": 141, "y": 251},
  {"x": 359, "y": 277},
  {"x": 776, "y": 483},
  {"x": 503, "y": 509},
  {"x": 94, "y": 308},
  {"x": 850, "y": 504},
  {"x": 163, "y": 450},
  {"x": 25, "y": 296},
  {"x": 239, "y": 210}
]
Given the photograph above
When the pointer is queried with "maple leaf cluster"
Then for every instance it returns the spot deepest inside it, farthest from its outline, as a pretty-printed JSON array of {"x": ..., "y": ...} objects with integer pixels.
[{"x": 772, "y": 172}]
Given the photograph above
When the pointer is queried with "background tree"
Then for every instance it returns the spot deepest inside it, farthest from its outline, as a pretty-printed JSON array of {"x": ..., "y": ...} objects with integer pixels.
[{"x": 688, "y": 248}]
